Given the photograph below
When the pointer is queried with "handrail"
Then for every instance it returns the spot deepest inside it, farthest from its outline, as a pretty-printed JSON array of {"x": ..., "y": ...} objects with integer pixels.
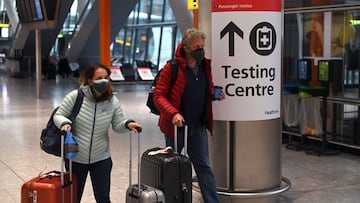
[
  {"x": 325, "y": 8},
  {"x": 83, "y": 14},
  {"x": 81, "y": 18},
  {"x": 341, "y": 100}
]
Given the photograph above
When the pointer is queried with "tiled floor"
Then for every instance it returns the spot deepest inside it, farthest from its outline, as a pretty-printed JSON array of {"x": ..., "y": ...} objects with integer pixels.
[{"x": 327, "y": 179}]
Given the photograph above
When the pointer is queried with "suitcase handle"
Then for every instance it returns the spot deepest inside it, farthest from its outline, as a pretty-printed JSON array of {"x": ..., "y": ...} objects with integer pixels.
[
  {"x": 139, "y": 160},
  {"x": 62, "y": 173},
  {"x": 186, "y": 131},
  {"x": 138, "y": 129}
]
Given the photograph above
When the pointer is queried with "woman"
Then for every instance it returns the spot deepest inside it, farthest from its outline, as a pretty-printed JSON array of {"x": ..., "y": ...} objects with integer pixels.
[{"x": 99, "y": 110}]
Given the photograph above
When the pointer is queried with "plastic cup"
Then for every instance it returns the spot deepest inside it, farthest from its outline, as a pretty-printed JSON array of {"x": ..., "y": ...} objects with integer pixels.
[{"x": 217, "y": 92}]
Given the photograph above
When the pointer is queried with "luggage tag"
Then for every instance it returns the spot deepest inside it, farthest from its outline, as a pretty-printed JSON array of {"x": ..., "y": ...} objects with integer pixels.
[{"x": 166, "y": 150}]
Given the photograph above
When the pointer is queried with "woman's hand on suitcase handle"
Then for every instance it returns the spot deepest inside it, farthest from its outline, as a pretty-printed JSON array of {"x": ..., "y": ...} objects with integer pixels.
[
  {"x": 66, "y": 127},
  {"x": 178, "y": 120},
  {"x": 135, "y": 127}
]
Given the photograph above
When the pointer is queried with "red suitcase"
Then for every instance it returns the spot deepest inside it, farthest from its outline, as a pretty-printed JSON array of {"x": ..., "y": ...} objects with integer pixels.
[
  {"x": 47, "y": 188},
  {"x": 51, "y": 187}
]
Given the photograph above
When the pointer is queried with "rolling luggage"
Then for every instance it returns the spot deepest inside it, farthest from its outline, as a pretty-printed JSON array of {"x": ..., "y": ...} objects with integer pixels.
[
  {"x": 128, "y": 72},
  {"x": 51, "y": 187},
  {"x": 170, "y": 172},
  {"x": 145, "y": 194}
]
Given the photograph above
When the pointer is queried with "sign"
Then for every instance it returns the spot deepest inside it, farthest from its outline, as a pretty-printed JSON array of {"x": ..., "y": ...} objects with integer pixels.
[
  {"x": 145, "y": 74},
  {"x": 116, "y": 74},
  {"x": 246, "y": 60},
  {"x": 193, "y": 4}
]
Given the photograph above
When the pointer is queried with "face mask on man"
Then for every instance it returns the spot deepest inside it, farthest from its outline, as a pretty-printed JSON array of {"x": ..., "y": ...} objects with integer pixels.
[
  {"x": 198, "y": 54},
  {"x": 101, "y": 85}
]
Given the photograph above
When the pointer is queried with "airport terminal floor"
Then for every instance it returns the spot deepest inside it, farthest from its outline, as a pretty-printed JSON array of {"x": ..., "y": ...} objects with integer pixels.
[{"x": 323, "y": 179}]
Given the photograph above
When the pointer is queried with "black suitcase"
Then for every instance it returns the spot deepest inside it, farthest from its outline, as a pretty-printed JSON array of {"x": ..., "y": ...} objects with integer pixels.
[
  {"x": 128, "y": 72},
  {"x": 146, "y": 194},
  {"x": 170, "y": 172}
]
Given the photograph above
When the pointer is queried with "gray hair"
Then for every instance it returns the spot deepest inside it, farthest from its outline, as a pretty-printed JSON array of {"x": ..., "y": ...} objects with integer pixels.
[{"x": 190, "y": 34}]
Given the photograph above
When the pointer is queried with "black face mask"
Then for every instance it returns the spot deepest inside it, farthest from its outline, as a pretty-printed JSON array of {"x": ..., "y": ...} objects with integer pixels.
[{"x": 198, "y": 54}]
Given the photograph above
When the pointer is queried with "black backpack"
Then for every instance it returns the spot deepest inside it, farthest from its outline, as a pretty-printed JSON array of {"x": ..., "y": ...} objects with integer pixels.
[
  {"x": 150, "y": 102},
  {"x": 50, "y": 139}
]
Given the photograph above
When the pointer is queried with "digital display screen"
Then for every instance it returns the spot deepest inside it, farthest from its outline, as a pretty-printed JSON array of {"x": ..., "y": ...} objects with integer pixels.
[
  {"x": 304, "y": 69},
  {"x": 323, "y": 70}
]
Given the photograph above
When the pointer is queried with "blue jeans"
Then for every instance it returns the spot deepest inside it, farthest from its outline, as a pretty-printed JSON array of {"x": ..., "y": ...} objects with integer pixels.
[
  {"x": 198, "y": 152},
  {"x": 100, "y": 178}
]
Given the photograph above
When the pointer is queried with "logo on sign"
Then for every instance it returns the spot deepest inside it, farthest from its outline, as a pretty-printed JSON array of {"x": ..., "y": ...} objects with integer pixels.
[{"x": 263, "y": 38}]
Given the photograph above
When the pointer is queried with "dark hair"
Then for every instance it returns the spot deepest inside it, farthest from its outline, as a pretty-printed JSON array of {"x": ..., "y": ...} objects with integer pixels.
[{"x": 89, "y": 72}]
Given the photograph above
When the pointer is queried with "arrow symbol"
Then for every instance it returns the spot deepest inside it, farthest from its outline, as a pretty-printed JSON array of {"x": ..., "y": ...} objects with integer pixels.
[{"x": 231, "y": 28}]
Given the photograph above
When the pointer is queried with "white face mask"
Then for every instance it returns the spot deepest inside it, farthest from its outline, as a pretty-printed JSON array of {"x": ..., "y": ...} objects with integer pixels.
[{"x": 101, "y": 85}]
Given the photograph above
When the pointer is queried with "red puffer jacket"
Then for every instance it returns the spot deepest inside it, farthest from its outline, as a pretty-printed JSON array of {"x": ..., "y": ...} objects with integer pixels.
[{"x": 168, "y": 99}]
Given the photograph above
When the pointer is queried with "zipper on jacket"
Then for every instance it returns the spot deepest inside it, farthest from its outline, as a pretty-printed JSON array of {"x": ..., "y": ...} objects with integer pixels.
[{"x": 92, "y": 133}]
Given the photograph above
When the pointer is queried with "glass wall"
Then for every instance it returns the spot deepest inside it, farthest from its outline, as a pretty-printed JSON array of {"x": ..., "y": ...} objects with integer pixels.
[
  {"x": 6, "y": 34},
  {"x": 150, "y": 36},
  {"x": 305, "y": 4},
  {"x": 327, "y": 30}
]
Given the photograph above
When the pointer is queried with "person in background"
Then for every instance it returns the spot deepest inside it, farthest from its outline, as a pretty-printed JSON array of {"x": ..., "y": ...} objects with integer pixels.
[
  {"x": 64, "y": 67},
  {"x": 189, "y": 100},
  {"x": 44, "y": 66},
  {"x": 99, "y": 110},
  {"x": 51, "y": 68}
]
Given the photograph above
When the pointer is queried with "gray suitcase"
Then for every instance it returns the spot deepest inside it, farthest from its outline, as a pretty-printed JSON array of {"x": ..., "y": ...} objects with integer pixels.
[{"x": 146, "y": 194}]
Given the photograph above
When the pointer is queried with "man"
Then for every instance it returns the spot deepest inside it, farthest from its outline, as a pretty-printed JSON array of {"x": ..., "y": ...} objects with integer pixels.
[{"x": 189, "y": 100}]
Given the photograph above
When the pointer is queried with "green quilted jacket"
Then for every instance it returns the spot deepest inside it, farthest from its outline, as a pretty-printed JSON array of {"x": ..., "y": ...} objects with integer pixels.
[{"x": 92, "y": 124}]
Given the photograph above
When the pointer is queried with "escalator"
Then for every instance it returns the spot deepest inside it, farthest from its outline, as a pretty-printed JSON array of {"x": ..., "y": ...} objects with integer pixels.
[
  {"x": 21, "y": 55},
  {"x": 87, "y": 29}
]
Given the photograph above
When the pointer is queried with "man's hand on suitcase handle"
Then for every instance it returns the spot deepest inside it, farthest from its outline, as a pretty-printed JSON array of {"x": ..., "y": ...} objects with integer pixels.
[{"x": 178, "y": 120}]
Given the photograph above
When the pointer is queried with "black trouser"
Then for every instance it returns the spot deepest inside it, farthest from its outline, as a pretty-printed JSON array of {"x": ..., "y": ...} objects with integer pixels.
[{"x": 100, "y": 178}]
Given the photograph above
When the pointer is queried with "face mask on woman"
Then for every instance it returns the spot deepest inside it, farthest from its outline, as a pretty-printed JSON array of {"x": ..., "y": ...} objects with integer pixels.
[{"x": 101, "y": 85}]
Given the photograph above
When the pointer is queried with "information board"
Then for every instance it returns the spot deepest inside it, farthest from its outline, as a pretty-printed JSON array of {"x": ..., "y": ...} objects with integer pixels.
[{"x": 246, "y": 58}]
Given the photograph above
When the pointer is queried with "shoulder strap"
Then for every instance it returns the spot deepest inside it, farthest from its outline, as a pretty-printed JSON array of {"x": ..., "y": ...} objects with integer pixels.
[
  {"x": 174, "y": 70},
  {"x": 77, "y": 105}
]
